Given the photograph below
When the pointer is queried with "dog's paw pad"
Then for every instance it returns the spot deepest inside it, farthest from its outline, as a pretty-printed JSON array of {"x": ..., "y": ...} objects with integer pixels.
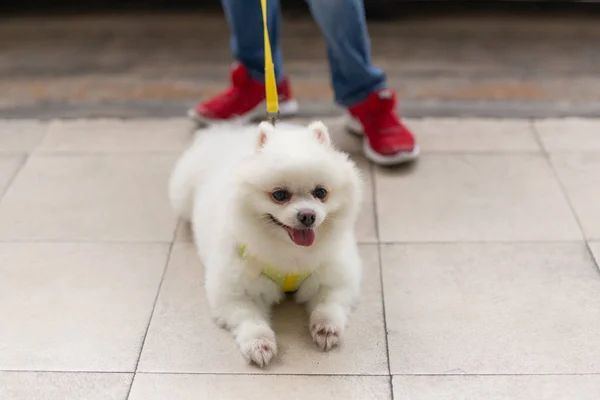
[
  {"x": 325, "y": 335},
  {"x": 259, "y": 351}
]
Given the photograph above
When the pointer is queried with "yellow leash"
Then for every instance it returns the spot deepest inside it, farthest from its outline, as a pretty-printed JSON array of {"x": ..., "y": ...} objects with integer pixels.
[
  {"x": 287, "y": 282},
  {"x": 270, "y": 82}
]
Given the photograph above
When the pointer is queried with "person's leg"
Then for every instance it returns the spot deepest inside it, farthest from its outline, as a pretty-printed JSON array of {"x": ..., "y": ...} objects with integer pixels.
[
  {"x": 247, "y": 40},
  {"x": 344, "y": 26},
  {"x": 244, "y": 100},
  {"x": 358, "y": 85}
]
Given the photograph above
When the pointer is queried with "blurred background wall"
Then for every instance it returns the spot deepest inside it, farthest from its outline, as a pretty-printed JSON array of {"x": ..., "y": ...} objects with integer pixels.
[{"x": 66, "y": 58}]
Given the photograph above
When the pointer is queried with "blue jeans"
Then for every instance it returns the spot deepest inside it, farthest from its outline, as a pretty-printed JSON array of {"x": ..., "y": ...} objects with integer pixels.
[{"x": 344, "y": 26}]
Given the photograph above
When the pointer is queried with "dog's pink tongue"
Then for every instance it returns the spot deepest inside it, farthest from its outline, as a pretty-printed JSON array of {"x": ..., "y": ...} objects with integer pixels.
[{"x": 302, "y": 237}]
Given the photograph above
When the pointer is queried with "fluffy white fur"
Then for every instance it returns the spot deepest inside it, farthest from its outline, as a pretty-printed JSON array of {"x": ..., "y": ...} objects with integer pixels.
[{"x": 223, "y": 184}]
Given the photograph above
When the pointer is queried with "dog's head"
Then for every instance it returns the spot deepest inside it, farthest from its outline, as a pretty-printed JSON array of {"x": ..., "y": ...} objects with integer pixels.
[{"x": 297, "y": 187}]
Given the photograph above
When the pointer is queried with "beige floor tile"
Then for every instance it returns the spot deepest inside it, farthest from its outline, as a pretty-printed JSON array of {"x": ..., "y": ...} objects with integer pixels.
[
  {"x": 117, "y": 135},
  {"x": 183, "y": 338},
  {"x": 473, "y": 198},
  {"x": 492, "y": 308},
  {"x": 569, "y": 134},
  {"x": 580, "y": 175},
  {"x": 111, "y": 197},
  {"x": 20, "y": 136},
  {"x": 366, "y": 231},
  {"x": 473, "y": 135},
  {"x": 226, "y": 387},
  {"x": 8, "y": 168},
  {"x": 449, "y": 135},
  {"x": 63, "y": 386},
  {"x": 568, "y": 387},
  {"x": 76, "y": 307}
]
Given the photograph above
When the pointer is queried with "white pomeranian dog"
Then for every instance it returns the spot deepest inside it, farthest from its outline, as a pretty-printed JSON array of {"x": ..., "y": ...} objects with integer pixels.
[{"x": 272, "y": 211}]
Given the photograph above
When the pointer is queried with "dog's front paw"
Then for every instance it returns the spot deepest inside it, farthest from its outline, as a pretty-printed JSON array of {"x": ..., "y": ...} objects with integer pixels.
[
  {"x": 259, "y": 350},
  {"x": 325, "y": 334}
]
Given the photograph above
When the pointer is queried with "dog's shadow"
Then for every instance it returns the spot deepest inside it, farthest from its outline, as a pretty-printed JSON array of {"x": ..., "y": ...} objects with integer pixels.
[
  {"x": 294, "y": 341},
  {"x": 290, "y": 323}
]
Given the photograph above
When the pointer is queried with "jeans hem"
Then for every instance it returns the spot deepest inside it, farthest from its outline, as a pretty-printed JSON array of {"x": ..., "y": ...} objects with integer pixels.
[
  {"x": 260, "y": 76},
  {"x": 358, "y": 98}
]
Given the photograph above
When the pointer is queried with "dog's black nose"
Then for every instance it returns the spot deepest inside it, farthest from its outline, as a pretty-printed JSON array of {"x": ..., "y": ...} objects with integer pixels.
[{"x": 307, "y": 217}]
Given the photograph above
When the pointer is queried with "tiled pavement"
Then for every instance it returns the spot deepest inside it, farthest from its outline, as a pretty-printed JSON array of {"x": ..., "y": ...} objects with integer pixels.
[{"x": 480, "y": 274}]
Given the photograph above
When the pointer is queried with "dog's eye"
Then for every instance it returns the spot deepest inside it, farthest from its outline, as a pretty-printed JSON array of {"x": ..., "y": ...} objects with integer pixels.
[
  {"x": 281, "y": 195},
  {"x": 320, "y": 193}
]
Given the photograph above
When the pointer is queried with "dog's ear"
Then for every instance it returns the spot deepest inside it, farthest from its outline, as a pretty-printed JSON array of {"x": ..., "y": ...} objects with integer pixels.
[
  {"x": 265, "y": 129},
  {"x": 321, "y": 132}
]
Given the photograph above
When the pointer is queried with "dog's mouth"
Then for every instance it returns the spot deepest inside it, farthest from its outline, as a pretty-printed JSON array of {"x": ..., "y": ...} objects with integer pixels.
[{"x": 302, "y": 237}]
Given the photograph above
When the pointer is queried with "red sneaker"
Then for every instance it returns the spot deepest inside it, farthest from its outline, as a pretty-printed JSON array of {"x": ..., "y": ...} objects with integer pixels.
[
  {"x": 243, "y": 101},
  {"x": 388, "y": 142}
]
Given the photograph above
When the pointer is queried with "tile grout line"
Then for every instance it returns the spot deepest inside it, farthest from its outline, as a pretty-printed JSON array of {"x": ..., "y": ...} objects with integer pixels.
[
  {"x": 26, "y": 157},
  {"x": 171, "y": 153},
  {"x": 372, "y": 375},
  {"x": 563, "y": 190},
  {"x": 527, "y": 374},
  {"x": 162, "y": 279},
  {"x": 537, "y": 136},
  {"x": 429, "y": 153},
  {"x": 14, "y": 176},
  {"x": 36, "y": 149},
  {"x": 595, "y": 260},
  {"x": 503, "y": 374},
  {"x": 189, "y": 373},
  {"x": 27, "y": 154},
  {"x": 106, "y": 153},
  {"x": 86, "y": 241},
  {"x": 453, "y": 242},
  {"x": 288, "y": 374},
  {"x": 565, "y": 194},
  {"x": 360, "y": 243},
  {"x": 385, "y": 329}
]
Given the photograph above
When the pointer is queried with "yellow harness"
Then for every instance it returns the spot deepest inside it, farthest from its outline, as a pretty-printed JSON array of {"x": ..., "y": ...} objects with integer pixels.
[{"x": 287, "y": 282}]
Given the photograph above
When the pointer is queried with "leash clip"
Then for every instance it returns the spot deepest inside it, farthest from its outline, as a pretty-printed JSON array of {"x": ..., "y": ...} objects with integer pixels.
[{"x": 272, "y": 118}]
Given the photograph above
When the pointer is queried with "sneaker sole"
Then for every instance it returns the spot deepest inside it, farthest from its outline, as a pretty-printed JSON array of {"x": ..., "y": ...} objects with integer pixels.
[
  {"x": 286, "y": 109},
  {"x": 354, "y": 127}
]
